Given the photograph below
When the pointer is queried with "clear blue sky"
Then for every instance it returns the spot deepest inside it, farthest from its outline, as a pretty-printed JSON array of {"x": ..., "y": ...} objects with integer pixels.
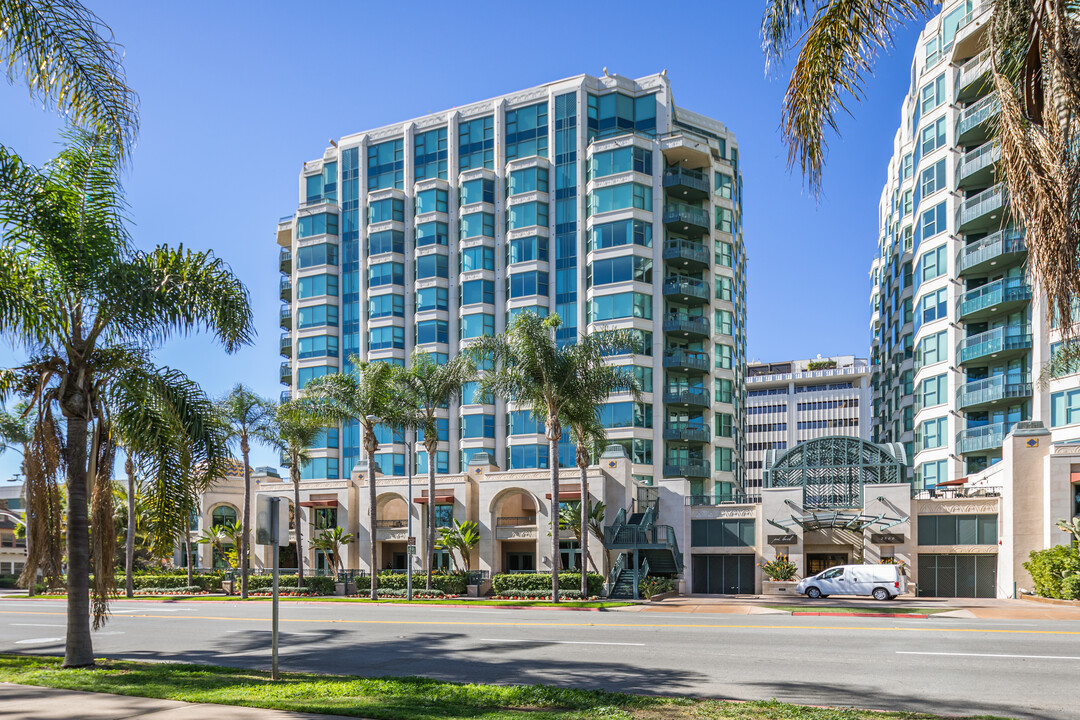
[{"x": 235, "y": 96}]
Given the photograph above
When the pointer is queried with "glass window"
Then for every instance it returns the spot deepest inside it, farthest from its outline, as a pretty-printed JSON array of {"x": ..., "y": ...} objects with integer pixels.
[
  {"x": 626, "y": 414},
  {"x": 432, "y": 331},
  {"x": 383, "y": 338},
  {"x": 523, "y": 422},
  {"x": 527, "y": 283},
  {"x": 387, "y": 241},
  {"x": 639, "y": 450},
  {"x": 527, "y": 131},
  {"x": 477, "y": 225},
  {"x": 435, "y": 298},
  {"x": 432, "y": 200},
  {"x": 723, "y": 184},
  {"x": 476, "y": 292},
  {"x": 932, "y": 264},
  {"x": 725, "y": 219},
  {"x": 930, "y": 350},
  {"x": 430, "y": 155},
  {"x": 933, "y": 178},
  {"x": 620, "y": 305},
  {"x": 391, "y": 464},
  {"x": 722, "y": 459},
  {"x": 933, "y": 136},
  {"x": 523, "y": 457},
  {"x": 512, "y": 313},
  {"x": 620, "y": 160},
  {"x": 388, "y": 273},
  {"x": 386, "y": 165},
  {"x": 468, "y": 454},
  {"x": 222, "y": 516},
  {"x": 958, "y": 529},
  {"x": 724, "y": 321},
  {"x": 477, "y": 325},
  {"x": 321, "y": 254},
  {"x": 724, "y": 287},
  {"x": 442, "y": 430},
  {"x": 386, "y": 306},
  {"x": 477, "y": 258},
  {"x": 317, "y": 346},
  {"x": 722, "y": 533},
  {"x": 724, "y": 253},
  {"x": 931, "y": 434},
  {"x": 933, "y": 391},
  {"x": 620, "y": 269},
  {"x": 623, "y": 232},
  {"x": 619, "y": 197},
  {"x": 317, "y": 316},
  {"x": 386, "y": 209},
  {"x": 526, "y": 215},
  {"x": 476, "y": 143},
  {"x": 477, "y": 191},
  {"x": 432, "y": 233},
  {"x": 316, "y": 285},
  {"x": 477, "y": 426},
  {"x": 306, "y": 374},
  {"x": 429, "y": 266},
  {"x": 318, "y": 224},
  {"x": 723, "y": 356},
  {"x": 933, "y": 307},
  {"x": 319, "y": 469},
  {"x": 724, "y": 390},
  {"x": 533, "y": 179},
  {"x": 526, "y": 248},
  {"x": 1065, "y": 408},
  {"x": 471, "y": 395},
  {"x": 442, "y": 465},
  {"x": 933, "y": 94}
]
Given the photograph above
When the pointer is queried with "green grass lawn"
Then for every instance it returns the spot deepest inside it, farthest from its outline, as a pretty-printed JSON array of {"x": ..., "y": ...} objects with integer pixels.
[
  {"x": 601, "y": 604},
  {"x": 885, "y": 609},
  {"x": 397, "y": 698}
]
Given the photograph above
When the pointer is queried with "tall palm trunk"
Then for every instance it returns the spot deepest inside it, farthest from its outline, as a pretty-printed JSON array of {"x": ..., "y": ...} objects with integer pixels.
[
  {"x": 29, "y": 525},
  {"x": 129, "y": 553},
  {"x": 244, "y": 450},
  {"x": 584, "y": 528},
  {"x": 79, "y": 649},
  {"x": 553, "y": 433},
  {"x": 431, "y": 446},
  {"x": 187, "y": 549},
  {"x": 370, "y": 446},
  {"x": 294, "y": 474}
]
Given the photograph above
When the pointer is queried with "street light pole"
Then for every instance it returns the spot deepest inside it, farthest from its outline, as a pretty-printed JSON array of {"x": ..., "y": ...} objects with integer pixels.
[{"x": 408, "y": 515}]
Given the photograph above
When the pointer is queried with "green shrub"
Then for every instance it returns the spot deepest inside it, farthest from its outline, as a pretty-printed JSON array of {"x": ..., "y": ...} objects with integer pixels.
[
  {"x": 656, "y": 586},
  {"x": 417, "y": 593},
  {"x": 514, "y": 583},
  {"x": 541, "y": 594},
  {"x": 1054, "y": 572},
  {"x": 7, "y": 582},
  {"x": 187, "y": 590},
  {"x": 319, "y": 584},
  {"x": 210, "y": 582},
  {"x": 451, "y": 584},
  {"x": 290, "y": 590}
]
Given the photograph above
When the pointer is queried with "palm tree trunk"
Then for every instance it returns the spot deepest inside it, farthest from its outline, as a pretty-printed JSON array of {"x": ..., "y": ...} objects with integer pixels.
[
  {"x": 78, "y": 649},
  {"x": 372, "y": 511},
  {"x": 129, "y": 553},
  {"x": 244, "y": 449},
  {"x": 294, "y": 472},
  {"x": 429, "y": 541},
  {"x": 584, "y": 531},
  {"x": 553, "y": 462},
  {"x": 187, "y": 549}
]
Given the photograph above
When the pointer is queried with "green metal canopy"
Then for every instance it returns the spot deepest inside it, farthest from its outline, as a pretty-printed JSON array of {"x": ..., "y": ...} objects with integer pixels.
[{"x": 832, "y": 472}]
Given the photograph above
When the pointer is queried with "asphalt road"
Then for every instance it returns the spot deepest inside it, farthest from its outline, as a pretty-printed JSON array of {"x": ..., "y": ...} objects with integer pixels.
[{"x": 1022, "y": 669}]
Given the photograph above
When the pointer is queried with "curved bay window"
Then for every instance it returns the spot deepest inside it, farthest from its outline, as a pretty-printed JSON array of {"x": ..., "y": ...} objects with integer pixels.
[{"x": 223, "y": 515}]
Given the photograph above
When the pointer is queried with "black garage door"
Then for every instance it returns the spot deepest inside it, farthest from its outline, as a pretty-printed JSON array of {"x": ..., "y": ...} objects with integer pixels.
[
  {"x": 723, "y": 574},
  {"x": 957, "y": 575}
]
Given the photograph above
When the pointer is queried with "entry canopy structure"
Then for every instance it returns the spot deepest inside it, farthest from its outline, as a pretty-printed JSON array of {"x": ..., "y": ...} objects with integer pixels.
[{"x": 832, "y": 472}]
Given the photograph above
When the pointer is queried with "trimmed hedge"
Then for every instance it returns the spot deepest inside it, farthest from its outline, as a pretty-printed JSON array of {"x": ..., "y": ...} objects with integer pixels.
[
  {"x": 287, "y": 591},
  {"x": 188, "y": 590},
  {"x": 514, "y": 583},
  {"x": 543, "y": 595},
  {"x": 454, "y": 584},
  {"x": 1055, "y": 572},
  {"x": 210, "y": 582},
  {"x": 318, "y": 584}
]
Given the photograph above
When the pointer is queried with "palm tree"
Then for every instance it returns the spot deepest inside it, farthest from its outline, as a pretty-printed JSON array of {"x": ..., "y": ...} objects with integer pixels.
[
  {"x": 461, "y": 536},
  {"x": 426, "y": 387},
  {"x": 217, "y": 536},
  {"x": 71, "y": 64},
  {"x": 532, "y": 370},
  {"x": 294, "y": 429},
  {"x": 365, "y": 396},
  {"x": 331, "y": 541},
  {"x": 247, "y": 416},
  {"x": 570, "y": 519},
  {"x": 89, "y": 308},
  {"x": 129, "y": 555},
  {"x": 1036, "y": 71}
]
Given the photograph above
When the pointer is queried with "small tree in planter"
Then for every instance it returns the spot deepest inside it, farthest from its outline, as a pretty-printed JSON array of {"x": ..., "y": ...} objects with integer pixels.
[
  {"x": 462, "y": 537},
  {"x": 779, "y": 569}
]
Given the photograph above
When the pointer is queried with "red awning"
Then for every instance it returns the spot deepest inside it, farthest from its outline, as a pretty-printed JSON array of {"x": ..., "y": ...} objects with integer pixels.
[
  {"x": 440, "y": 499},
  {"x": 567, "y": 495},
  {"x": 1074, "y": 474},
  {"x": 957, "y": 481},
  {"x": 319, "y": 503}
]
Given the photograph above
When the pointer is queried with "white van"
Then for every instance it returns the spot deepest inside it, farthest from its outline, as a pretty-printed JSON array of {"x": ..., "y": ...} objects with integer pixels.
[{"x": 883, "y": 582}]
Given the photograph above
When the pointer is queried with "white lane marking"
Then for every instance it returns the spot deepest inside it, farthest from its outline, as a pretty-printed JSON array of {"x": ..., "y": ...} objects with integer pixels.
[
  {"x": 145, "y": 610},
  {"x": 39, "y": 641},
  {"x": 33, "y": 625},
  {"x": 557, "y": 642},
  {"x": 991, "y": 655},
  {"x": 99, "y": 633}
]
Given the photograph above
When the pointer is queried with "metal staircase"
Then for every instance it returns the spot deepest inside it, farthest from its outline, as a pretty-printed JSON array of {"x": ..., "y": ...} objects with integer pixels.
[{"x": 646, "y": 548}]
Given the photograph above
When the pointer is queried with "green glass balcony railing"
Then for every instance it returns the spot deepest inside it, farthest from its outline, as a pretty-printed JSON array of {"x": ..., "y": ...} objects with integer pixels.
[
  {"x": 686, "y": 324},
  {"x": 991, "y": 390},
  {"x": 286, "y": 317},
  {"x": 1010, "y": 339},
  {"x": 685, "y": 287},
  {"x": 687, "y": 431},
  {"x": 690, "y": 396},
  {"x": 689, "y": 181},
  {"x": 997, "y": 250},
  {"x": 686, "y": 360},
  {"x": 972, "y": 117},
  {"x": 686, "y": 215},
  {"x": 286, "y": 373},
  {"x": 686, "y": 467},
  {"x": 285, "y": 345},
  {"x": 974, "y": 161},
  {"x": 286, "y": 289},
  {"x": 982, "y": 439},
  {"x": 688, "y": 251},
  {"x": 285, "y": 260},
  {"x": 978, "y": 208},
  {"x": 973, "y": 76},
  {"x": 998, "y": 293}
]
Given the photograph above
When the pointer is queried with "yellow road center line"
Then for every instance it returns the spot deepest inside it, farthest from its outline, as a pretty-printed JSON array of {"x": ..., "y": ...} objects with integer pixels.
[{"x": 569, "y": 624}]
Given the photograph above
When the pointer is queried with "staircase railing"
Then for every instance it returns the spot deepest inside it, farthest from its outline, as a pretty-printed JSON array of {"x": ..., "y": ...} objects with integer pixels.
[
  {"x": 616, "y": 571},
  {"x": 612, "y": 531}
]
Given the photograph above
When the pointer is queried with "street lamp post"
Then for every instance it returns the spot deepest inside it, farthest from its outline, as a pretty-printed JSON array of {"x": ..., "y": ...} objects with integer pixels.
[{"x": 409, "y": 546}]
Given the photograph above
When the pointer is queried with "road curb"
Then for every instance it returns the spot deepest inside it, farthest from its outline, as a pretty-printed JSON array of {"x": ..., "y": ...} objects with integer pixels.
[{"x": 852, "y": 614}]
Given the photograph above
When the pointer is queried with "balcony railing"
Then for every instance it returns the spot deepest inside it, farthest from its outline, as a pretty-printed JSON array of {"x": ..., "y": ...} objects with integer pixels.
[
  {"x": 676, "y": 467},
  {"x": 1009, "y": 241},
  {"x": 515, "y": 521},
  {"x": 687, "y": 250},
  {"x": 688, "y": 287},
  {"x": 285, "y": 260},
  {"x": 993, "y": 342},
  {"x": 687, "y": 359},
  {"x": 988, "y": 201},
  {"x": 687, "y": 215},
  {"x": 971, "y": 71},
  {"x": 687, "y": 431},
  {"x": 313, "y": 201},
  {"x": 286, "y": 317},
  {"x": 981, "y": 439},
  {"x": 285, "y": 345},
  {"x": 286, "y": 373},
  {"x": 686, "y": 324},
  {"x": 687, "y": 397},
  {"x": 687, "y": 178},
  {"x": 975, "y": 115},
  {"x": 1005, "y": 290},
  {"x": 991, "y": 390},
  {"x": 285, "y": 396},
  {"x": 286, "y": 289},
  {"x": 975, "y": 160}
]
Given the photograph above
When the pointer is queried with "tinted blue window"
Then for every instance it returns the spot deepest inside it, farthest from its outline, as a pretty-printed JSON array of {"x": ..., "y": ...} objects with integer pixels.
[
  {"x": 386, "y": 209},
  {"x": 313, "y": 255},
  {"x": 432, "y": 233},
  {"x": 316, "y": 285},
  {"x": 317, "y": 316},
  {"x": 528, "y": 283},
  {"x": 388, "y": 273},
  {"x": 474, "y": 292},
  {"x": 432, "y": 331},
  {"x": 476, "y": 143},
  {"x": 306, "y": 374},
  {"x": 391, "y": 463},
  {"x": 527, "y": 248},
  {"x": 442, "y": 463},
  {"x": 443, "y": 426},
  {"x": 318, "y": 224},
  {"x": 621, "y": 269},
  {"x": 623, "y": 232},
  {"x": 526, "y": 131},
  {"x": 386, "y": 337},
  {"x": 317, "y": 346},
  {"x": 523, "y": 457},
  {"x": 387, "y": 241},
  {"x": 431, "y": 200},
  {"x": 522, "y": 422},
  {"x": 620, "y": 160},
  {"x": 386, "y": 165},
  {"x": 432, "y": 299},
  {"x": 430, "y": 266},
  {"x": 480, "y": 190},
  {"x": 533, "y": 179},
  {"x": 478, "y": 426},
  {"x": 430, "y": 154},
  {"x": 476, "y": 325},
  {"x": 526, "y": 215},
  {"x": 386, "y": 306},
  {"x": 477, "y": 225},
  {"x": 477, "y": 258}
]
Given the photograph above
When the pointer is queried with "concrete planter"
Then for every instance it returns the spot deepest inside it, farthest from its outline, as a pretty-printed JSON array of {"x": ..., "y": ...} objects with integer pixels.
[
  {"x": 778, "y": 587},
  {"x": 339, "y": 588}
]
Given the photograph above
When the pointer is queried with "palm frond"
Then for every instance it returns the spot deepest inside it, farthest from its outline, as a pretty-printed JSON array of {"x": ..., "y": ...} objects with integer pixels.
[{"x": 70, "y": 61}]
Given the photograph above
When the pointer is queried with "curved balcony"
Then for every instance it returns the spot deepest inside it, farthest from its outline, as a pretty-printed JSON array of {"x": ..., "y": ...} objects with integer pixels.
[
  {"x": 983, "y": 211},
  {"x": 1004, "y": 248},
  {"x": 285, "y": 260},
  {"x": 689, "y": 468},
  {"x": 686, "y": 219},
  {"x": 692, "y": 327},
  {"x": 993, "y": 299},
  {"x": 973, "y": 77},
  {"x": 972, "y": 125},
  {"x": 286, "y": 317},
  {"x": 693, "y": 255},
  {"x": 686, "y": 184},
  {"x": 696, "y": 432},
  {"x": 688, "y": 360},
  {"x": 286, "y": 289},
  {"x": 285, "y": 396},
  {"x": 983, "y": 394},
  {"x": 689, "y": 397},
  {"x": 285, "y": 373},
  {"x": 685, "y": 289},
  {"x": 976, "y": 167},
  {"x": 982, "y": 439},
  {"x": 999, "y": 344},
  {"x": 285, "y": 345}
]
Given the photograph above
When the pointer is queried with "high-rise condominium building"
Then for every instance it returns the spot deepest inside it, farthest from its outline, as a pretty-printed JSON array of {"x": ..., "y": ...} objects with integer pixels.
[
  {"x": 957, "y": 331},
  {"x": 595, "y": 198},
  {"x": 797, "y": 400}
]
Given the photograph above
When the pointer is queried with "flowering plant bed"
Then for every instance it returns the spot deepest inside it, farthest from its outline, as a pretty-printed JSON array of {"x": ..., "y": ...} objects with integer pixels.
[
  {"x": 542, "y": 595},
  {"x": 190, "y": 590},
  {"x": 283, "y": 592},
  {"x": 417, "y": 593}
]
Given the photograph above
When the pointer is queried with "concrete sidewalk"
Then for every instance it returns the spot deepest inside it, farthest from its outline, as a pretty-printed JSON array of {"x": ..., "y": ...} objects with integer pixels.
[{"x": 27, "y": 702}]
